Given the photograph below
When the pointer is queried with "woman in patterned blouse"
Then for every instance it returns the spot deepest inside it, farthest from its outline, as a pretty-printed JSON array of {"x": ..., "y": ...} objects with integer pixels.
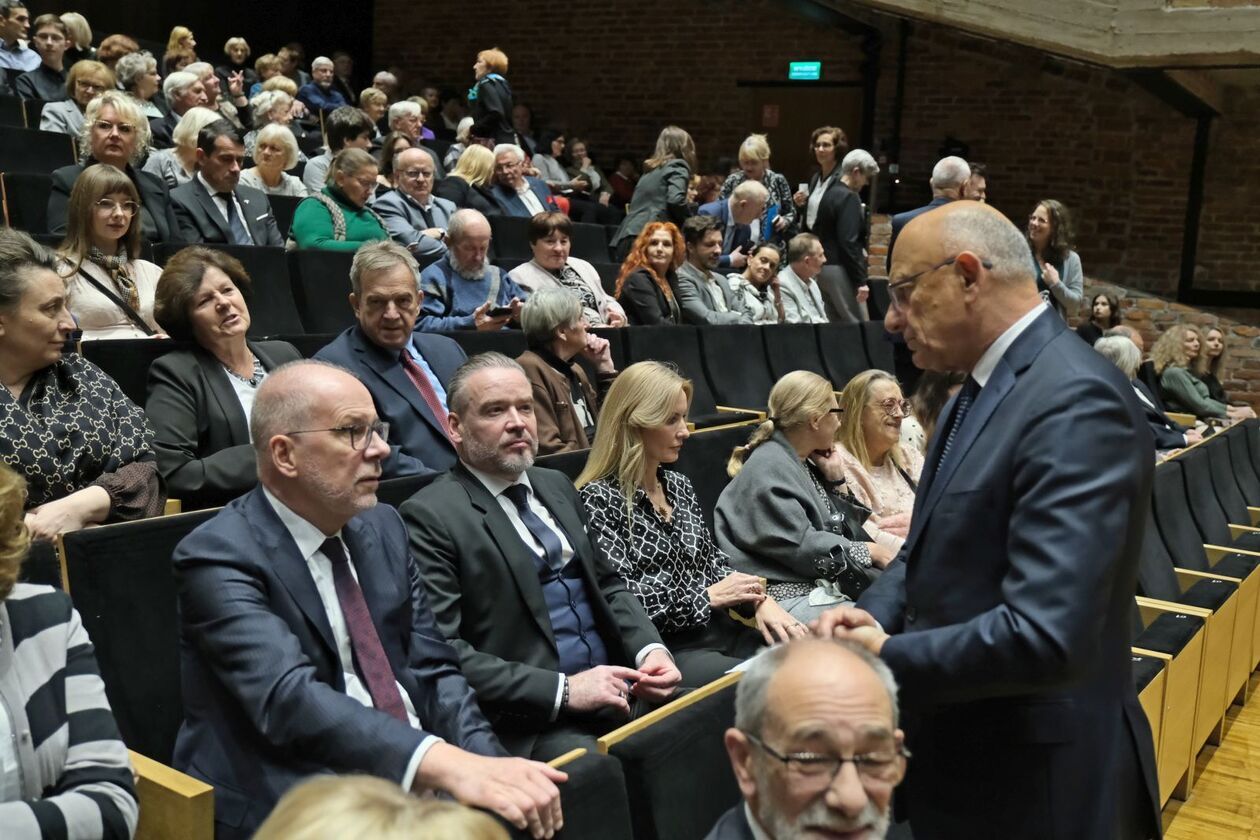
[
  {"x": 85, "y": 450},
  {"x": 648, "y": 522}
]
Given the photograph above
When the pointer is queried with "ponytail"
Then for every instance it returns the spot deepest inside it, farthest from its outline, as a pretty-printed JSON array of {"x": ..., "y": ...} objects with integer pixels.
[{"x": 740, "y": 454}]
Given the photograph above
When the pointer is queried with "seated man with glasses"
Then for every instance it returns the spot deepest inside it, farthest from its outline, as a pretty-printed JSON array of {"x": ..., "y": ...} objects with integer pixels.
[
  {"x": 803, "y": 712},
  {"x": 413, "y": 215},
  {"x": 308, "y": 643}
]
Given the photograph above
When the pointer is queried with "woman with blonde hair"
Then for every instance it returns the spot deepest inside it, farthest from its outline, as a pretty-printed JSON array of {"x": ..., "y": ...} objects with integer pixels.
[
  {"x": 181, "y": 39},
  {"x": 80, "y": 33},
  {"x": 275, "y": 151},
  {"x": 754, "y": 165},
  {"x": 878, "y": 471},
  {"x": 365, "y": 806},
  {"x": 178, "y": 164},
  {"x": 781, "y": 516},
  {"x": 1211, "y": 364},
  {"x": 649, "y": 524},
  {"x": 467, "y": 184},
  {"x": 1173, "y": 356}
]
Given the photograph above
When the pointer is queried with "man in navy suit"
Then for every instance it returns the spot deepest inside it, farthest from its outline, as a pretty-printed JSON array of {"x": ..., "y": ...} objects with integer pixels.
[
  {"x": 949, "y": 177},
  {"x": 516, "y": 193},
  {"x": 405, "y": 371},
  {"x": 307, "y": 642},
  {"x": 1121, "y": 351},
  {"x": 735, "y": 217},
  {"x": 1009, "y": 604}
]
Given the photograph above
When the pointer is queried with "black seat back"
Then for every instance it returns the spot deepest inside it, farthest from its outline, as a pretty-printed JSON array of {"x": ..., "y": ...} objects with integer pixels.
[
  {"x": 1146, "y": 372},
  {"x": 127, "y": 361},
  {"x": 509, "y": 237},
  {"x": 30, "y": 150},
  {"x": 735, "y": 361},
  {"x": 877, "y": 304},
  {"x": 569, "y": 463},
  {"x": 616, "y": 338},
  {"x": 123, "y": 585},
  {"x": 1156, "y": 577},
  {"x": 1205, "y": 508},
  {"x": 879, "y": 349},
  {"x": 33, "y": 110},
  {"x": 589, "y": 242},
  {"x": 608, "y": 273},
  {"x": 26, "y": 200},
  {"x": 283, "y": 207},
  {"x": 843, "y": 351},
  {"x": 703, "y": 460},
  {"x": 1240, "y": 463},
  {"x": 12, "y": 115},
  {"x": 272, "y": 309},
  {"x": 1181, "y": 536},
  {"x": 1222, "y": 473},
  {"x": 321, "y": 289},
  {"x": 679, "y": 346},
  {"x": 306, "y": 344},
  {"x": 395, "y": 491},
  {"x": 41, "y": 565},
  {"x": 792, "y": 347},
  {"x": 510, "y": 343}
]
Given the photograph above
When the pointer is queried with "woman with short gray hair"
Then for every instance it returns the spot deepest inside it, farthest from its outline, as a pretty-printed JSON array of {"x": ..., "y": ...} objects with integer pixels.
[
  {"x": 566, "y": 405},
  {"x": 275, "y": 150},
  {"x": 137, "y": 74}
]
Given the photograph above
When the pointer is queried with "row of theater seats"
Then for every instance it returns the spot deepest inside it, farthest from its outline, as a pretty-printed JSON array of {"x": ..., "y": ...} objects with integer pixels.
[{"x": 16, "y": 112}]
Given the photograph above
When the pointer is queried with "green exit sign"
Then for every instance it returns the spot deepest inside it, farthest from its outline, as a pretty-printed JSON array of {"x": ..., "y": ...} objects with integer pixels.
[{"x": 804, "y": 71}]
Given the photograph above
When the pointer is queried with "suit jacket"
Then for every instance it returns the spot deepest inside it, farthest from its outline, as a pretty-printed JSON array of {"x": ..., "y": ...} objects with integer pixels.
[
  {"x": 264, "y": 692},
  {"x": 840, "y": 226},
  {"x": 201, "y": 221},
  {"x": 463, "y": 195},
  {"x": 659, "y": 196},
  {"x": 902, "y": 219},
  {"x": 733, "y": 235},
  {"x": 733, "y": 825},
  {"x": 1169, "y": 434},
  {"x": 419, "y": 445},
  {"x": 510, "y": 203},
  {"x": 1015, "y": 665},
  {"x": 157, "y": 216},
  {"x": 404, "y": 222},
  {"x": 163, "y": 129},
  {"x": 695, "y": 299},
  {"x": 483, "y": 584},
  {"x": 559, "y": 429},
  {"x": 200, "y": 432}
]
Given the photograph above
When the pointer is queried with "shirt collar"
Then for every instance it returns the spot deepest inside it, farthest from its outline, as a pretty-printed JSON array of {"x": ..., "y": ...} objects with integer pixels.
[
  {"x": 757, "y": 832},
  {"x": 984, "y": 368},
  {"x": 307, "y": 537},
  {"x": 494, "y": 484},
  {"x": 787, "y": 270},
  {"x": 418, "y": 204},
  {"x": 201, "y": 180}
]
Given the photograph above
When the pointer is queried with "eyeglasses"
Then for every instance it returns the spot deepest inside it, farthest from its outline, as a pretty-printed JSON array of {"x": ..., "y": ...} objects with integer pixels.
[
  {"x": 84, "y": 84},
  {"x": 891, "y": 406},
  {"x": 899, "y": 292},
  {"x": 880, "y": 768},
  {"x": 109, "y": 206},
  {"x": 417, "y": 174},
  {"x": 124, "y": 129},
  {"x": 358, "y": 435}
]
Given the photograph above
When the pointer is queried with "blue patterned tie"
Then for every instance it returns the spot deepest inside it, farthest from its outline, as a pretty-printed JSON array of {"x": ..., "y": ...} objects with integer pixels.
[
  {"x": 965, "y": 398},
  {"x": 547, "y": 538}
]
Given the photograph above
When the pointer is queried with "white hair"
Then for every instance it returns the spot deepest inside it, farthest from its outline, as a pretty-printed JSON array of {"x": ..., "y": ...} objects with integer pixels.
[
  {"x": 950, "y": 173},
  {"x": 266, "y": 102},
  {"x": 385, "y": 76},
  {"x": 461, "y": 219},
  {"x": 862, "y": 161},
  {"x": 281, "y": 136},
  {"x": 405, "y": 108},
  {"x": 199, "y": 68},
  {"x": 321, "y": 61},
  {"x": 176, "y": 83},
  {"x": 1121, "y": 352},
  {"x": 463, "y": 130},
  {"x": 509, "y": 148},
  {"x": 750, "y": 190}
]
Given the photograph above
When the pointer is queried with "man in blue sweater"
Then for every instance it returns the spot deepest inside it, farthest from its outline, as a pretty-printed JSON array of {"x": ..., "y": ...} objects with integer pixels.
[{"x": 463, "y": 291}]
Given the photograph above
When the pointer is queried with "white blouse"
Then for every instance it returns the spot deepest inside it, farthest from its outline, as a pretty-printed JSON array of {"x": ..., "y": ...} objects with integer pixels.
[{"x": 97, "y": 315}]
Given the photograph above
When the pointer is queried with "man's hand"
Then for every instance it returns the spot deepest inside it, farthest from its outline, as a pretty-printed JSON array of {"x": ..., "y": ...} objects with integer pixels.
[
  {"x": 483, "y": 321},
  {"x": 841, "y": 619},
  {"x": 735, "y": 589},
  {"x": 435, "y": 232},
  {"x": 523, "y": 792},
  {"x": 881, "y": 555},
  {"x": 1193, "y": 436},
  {"x": 581, "y": 185},
  {"x": 871, "y": 638},
  {"x": 236, "y": 83},
  {"x": 604, "y": 198},
  {"x": 776, "y": 624},
  {"x": 515, "y": 304},
  {"x": 660, "y": 676},
  {"x": 599, "y": 352},
  {"x": 602, "y": 687},
  {"x": 863, "y": 294},
  {"x": 738, "y": 259}
]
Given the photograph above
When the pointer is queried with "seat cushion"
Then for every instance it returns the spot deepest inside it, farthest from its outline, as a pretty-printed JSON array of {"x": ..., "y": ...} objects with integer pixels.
[
  {"x": 1145, "y": 669},
  {"x": 1169, "y": 633},
  {"x": 1208, "y": 593},
  {"x": 1249, "y": 541},
  {"x": 1235, "y": 566}
]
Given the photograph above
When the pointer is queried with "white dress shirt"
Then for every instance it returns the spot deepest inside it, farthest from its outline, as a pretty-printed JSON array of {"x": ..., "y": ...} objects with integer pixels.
[
  {"x": 532, "y": 204},
  {"x": 802, "y": 300},
  {"x": 309, "y": 539},
  {"x": 221, "y": 205},
  {"x": 816, "y": 197},
  {"x": 10, "y": 770},
  {"x": 988, "y": 361}
]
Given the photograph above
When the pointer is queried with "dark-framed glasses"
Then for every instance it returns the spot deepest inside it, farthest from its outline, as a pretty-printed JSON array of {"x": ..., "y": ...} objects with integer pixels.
[
  {"x": 883, "y": 767},
  {"x": 359, "y": 435},
  {"x": 899, "y": 292},
  {"x": 892, "y": 406}
]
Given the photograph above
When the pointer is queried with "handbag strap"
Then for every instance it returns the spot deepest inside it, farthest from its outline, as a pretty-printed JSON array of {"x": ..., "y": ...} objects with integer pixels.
[
  {"x": 131, "y": 314},
  {"x": 914, "y": 485}
]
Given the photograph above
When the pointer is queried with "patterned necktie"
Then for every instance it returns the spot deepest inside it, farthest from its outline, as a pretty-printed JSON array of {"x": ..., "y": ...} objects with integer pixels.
[
  {"x": 365, "y": 644},
  {"x": 236, "y": 228},
  {"x": 547, "y": 538},
  {"x": 965, "y": 398},
  {"x": 416, "y": 374}
]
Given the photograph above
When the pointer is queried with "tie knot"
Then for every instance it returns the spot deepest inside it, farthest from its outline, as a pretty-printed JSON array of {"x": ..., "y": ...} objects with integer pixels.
[
  {"x": 226, "y": 196},
  {"x": 333, "y": 550},
  {"x": 518, "y": 494}
]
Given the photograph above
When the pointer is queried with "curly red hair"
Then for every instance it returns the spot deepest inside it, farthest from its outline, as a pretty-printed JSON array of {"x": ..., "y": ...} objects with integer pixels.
[{"x": 637, "y": 258}]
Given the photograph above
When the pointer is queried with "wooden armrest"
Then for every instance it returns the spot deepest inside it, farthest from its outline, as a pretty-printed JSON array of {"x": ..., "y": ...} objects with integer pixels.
[
  {"x": 621, "y": 733},
  {"x": 1154, "y": 654},
  {"x": 172, "y": 804},
  {"x": 761, "y": 415},
  {"x": 572, "y": 755},
  {"x": 1184, "y": 419},
  {"x": 172, "y": 507},
  {"x": 1253, "y": 513},
  {"x": 1216, "y": 552},
  {"x": 1189, "y": 577},
  {"x": 1152, "y": 606}
]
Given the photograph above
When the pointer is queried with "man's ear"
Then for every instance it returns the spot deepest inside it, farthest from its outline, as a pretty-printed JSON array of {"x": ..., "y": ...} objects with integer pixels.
[
  {"x": 354, "y": 304},
  {"x": 739, "y": 749},
  {"x": 970, "y": 266},
  {"x": 283, "y": 456},
  {"x": 453, "y": 423}
]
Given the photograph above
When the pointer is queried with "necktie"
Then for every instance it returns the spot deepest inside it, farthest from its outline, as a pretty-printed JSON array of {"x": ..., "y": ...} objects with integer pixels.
[
  {"x": 425, "y": 214},
  {"x": 365, "y": 644},
  {"x": 236, "y": 228},
  {"x": 547, "y": 538},
  {"x": 425, "y": 387},
  {"x": 965, "y": 398}
]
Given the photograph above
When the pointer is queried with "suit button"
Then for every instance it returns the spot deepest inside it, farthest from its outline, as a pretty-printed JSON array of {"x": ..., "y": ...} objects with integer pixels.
[{"x": 911, "y": 615}]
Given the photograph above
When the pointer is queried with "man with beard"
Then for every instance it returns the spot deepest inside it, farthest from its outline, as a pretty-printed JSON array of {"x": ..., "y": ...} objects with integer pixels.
[
  {"x": 703, "y": 294},
  {"x": 758, "y": 286},
  {"x": 555, "y": 646},
  {"x": 803, "y": 712},
  {"x": 463, "y": 291},
  {"x": 308, "y": 645}
]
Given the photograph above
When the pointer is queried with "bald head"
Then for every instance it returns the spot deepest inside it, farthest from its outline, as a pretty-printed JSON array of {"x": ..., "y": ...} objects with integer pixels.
[
  {"x": 287, "y": 398},
  {"x": 413, "y": 173}
]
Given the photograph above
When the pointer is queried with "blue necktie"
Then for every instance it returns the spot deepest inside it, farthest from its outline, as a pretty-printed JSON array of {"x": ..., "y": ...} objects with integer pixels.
[
  {"x": 240, "y": 236},
  {"x": 965, "y": 398},
  {"x": 547, "y": 538}
]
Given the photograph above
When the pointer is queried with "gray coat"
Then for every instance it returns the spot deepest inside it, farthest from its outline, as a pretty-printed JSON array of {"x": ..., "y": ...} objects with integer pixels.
[
  {"x": 404, "y": 222},
  {"x": 660, "y": 196},
  {"x": 770, "y": 519},
  {"x": 695, "y": 299}
]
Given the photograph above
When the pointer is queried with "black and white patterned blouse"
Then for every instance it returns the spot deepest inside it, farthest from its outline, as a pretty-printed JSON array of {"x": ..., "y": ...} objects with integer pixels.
[{"x": 668, "y": 566}]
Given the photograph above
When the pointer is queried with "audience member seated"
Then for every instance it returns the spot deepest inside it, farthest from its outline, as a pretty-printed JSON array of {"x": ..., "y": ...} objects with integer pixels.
[
  {"x": 392, "y": 145},
  {"x": 344, "y": 670},
  {"x": 754, "y": 165},
  {"x": 343, "y": 75},
  {"x": 344, "y": 128},
  {"x": 878, "y": 472},
  {"x": 364, "y": 806},
  {"x": 84, "y": 448},
  {"x": 647, "y": 521},
  {"x": 1210, "y": 366},
  {"x": 1104, "y": 313},
  {"x": 110, "y": 289},
  {"x": 86, "y": 80},
  {"x": 181, "y": 38},
  {"x": 557, "y": 667},
  {"x": 236, "y": 51},
  {"x": 387, "y": 83},
  {"x": 267, "y": 67},
  {"x": 426, "y": 133},
  {"x": 114, "y": 47},
  {"x": 376, "y": 105},
  {"x": 338, "y": 218},
  {"x": 48, "y": 80},
  {"x": 739, "y": 221},
  {"x": 553, "y": 268},
  {"x": 117, "y": 134},
  {"x": 271, "y": 107},
  {"x": 490, "y": 99},
  {"x": 547, "y": 161},
  {"x": 177, "y": 60},
  {"x": 580, "y": 165},
  {"x": 182, "y": 92},
  {"x": 622, "y": 182},
  {"x": 199, "y": 400},
  {"x": 463, "y": 291},
  {"x": 758, "y": 286},
  {"x": 1168, "y": 433},
  {"x": 781, "y": 516},
  {"x": 407, "y": 118},
  {"x": 229, "y": 107},
  {"x": 413, "y": 216},
  {"x": 834, "y": 213},
  {"x": 177, "y": 165},
  {"x": 214, "y": 206},
  {"x": 15, "y": 22},
  {"x": 276, "y": 151},
  {"x": 704, "y": 295},
  {"x": 933, "y": 391},
  {"x": 407, "y": 372},
  {"x": 566, "y": 404},
  {"x": 798, "y": 281},
  {"x": 292, "y": 57},
  {"x": 788, "y": 747},
  {"x": 516, "y": 193},
  {"x": 319, "y": 94},
  {"x": 645, "y": 286},
  {"x": 67, "y": 770},
  {"x": 1173, "y": 355},
  {"x": 661, "y": 194},
  {"x": 1059, "y": 276},
  {"x": 468, "y": 185},
  {"x": 79, "y": 34},
  {"x": 138, "y": 77}
]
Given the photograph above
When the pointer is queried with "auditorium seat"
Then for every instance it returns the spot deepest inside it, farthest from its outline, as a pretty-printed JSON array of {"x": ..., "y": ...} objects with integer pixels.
[
  {"x": 792, "y": 347},
  {"x": 678, "y": 776},
  {"x": 509, "y": 238},
  {"x": 703, "y": 460},
  {"x": 1240, "y": 462},
  {"x": 844, "y": 352},
  {"x": 127, "y": 361},
  {"x": 735, "y": 361},
  {"x": 308, "y": 344},
  {"x": 608, "y": 273},
  {"x": 1204, "y": 505},
  {"x": 879, "y": 349},
  {"x": 321, "y": 289},
  {"x": 510, "y": 343},
  {"x": 30, "y": 150},
  {"x": 272, "y": 309},
  {"x": 680, "y": 346},
  {"x": 877, "y": 304},
  {"x": 1149, "y": 680},
  {"x": 283, "y": 207},
  {"x": 395, "y": 491},
  {"x": 508, "y": 264},
  {"x": 12, "y": 114},
  {"x": 569, "y": 463},
  {"x": 589, "y": 242},
  {"x": 172, "y": 804},
  {"x": 41, "y": 565},
  {"x": 616, "y": 338},
  {"x": 25, "y": 196},
  {"x": 32, "y": 111}
]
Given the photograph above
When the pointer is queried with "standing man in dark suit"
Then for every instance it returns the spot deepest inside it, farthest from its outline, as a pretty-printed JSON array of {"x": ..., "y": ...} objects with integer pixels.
[
  {"x": 407, "y": 372},
  {"x": 308, "y": 645},
  {"x": 516, "y": 193},
  {"x": 551, "y": 640},
  {"x": 213, "y": 207},
  {"x": 1008, "y": 615},
  {"x": 949, "y": 176}
]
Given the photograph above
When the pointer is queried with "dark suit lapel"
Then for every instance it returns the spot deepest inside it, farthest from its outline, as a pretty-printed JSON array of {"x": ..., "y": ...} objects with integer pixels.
[
  {"x": 211, "y": 209},
  {"x": 388, "y": 368},
  {"x": 252, "y": 209},
  {"x": 221, "y": 392}
]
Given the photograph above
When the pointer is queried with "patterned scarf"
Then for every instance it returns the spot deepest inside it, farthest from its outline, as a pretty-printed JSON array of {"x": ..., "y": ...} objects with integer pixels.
[
  {"x": 570, "y": 279},
  {"x": 118, "y": 267}
]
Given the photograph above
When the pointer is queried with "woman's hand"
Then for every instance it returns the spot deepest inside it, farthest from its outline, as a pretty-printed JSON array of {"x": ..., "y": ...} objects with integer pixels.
[
  {"x": 1050, "y": 274},
  {"x": 830, "y": 463},
  {"x": 799, "y": 198},
  {"x": 236, "y": 83},
  {"x": 1240, "y": 412},
  {"x": 776, "y": 625},
  {"x": 70, "y": 513},
  {"x": 614, "y": 318},
  {"x": 898, "y": 524},
  {"x": 735, "y": 589},
  {"x": 881, "y": 555},
  {"x": 599, "y": 351},
  {"x": 780, "y": 222}
]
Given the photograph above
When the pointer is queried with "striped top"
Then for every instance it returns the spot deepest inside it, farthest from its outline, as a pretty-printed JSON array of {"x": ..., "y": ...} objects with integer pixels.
[{"x": 74, "y": 776}]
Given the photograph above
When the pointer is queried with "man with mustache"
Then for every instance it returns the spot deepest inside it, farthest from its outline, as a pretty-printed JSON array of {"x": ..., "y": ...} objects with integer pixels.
[
  {"x": 804, "y": 712},
  {"x": 555, "y": 646},
  {"x": 463, "y": 290}
]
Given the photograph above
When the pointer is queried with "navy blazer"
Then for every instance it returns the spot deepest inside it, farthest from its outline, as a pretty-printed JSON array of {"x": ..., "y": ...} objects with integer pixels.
[
  {"x": 733, "y": 235},
  {"x": 902, "y": 219},
  {"x": 264, "y": 692},
  {"x": 416, "y": 439},
  {"x": 1169, "y": 434},
  {"x": 510, "y": 203},
  {"x": 1010, "y": 604}
]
